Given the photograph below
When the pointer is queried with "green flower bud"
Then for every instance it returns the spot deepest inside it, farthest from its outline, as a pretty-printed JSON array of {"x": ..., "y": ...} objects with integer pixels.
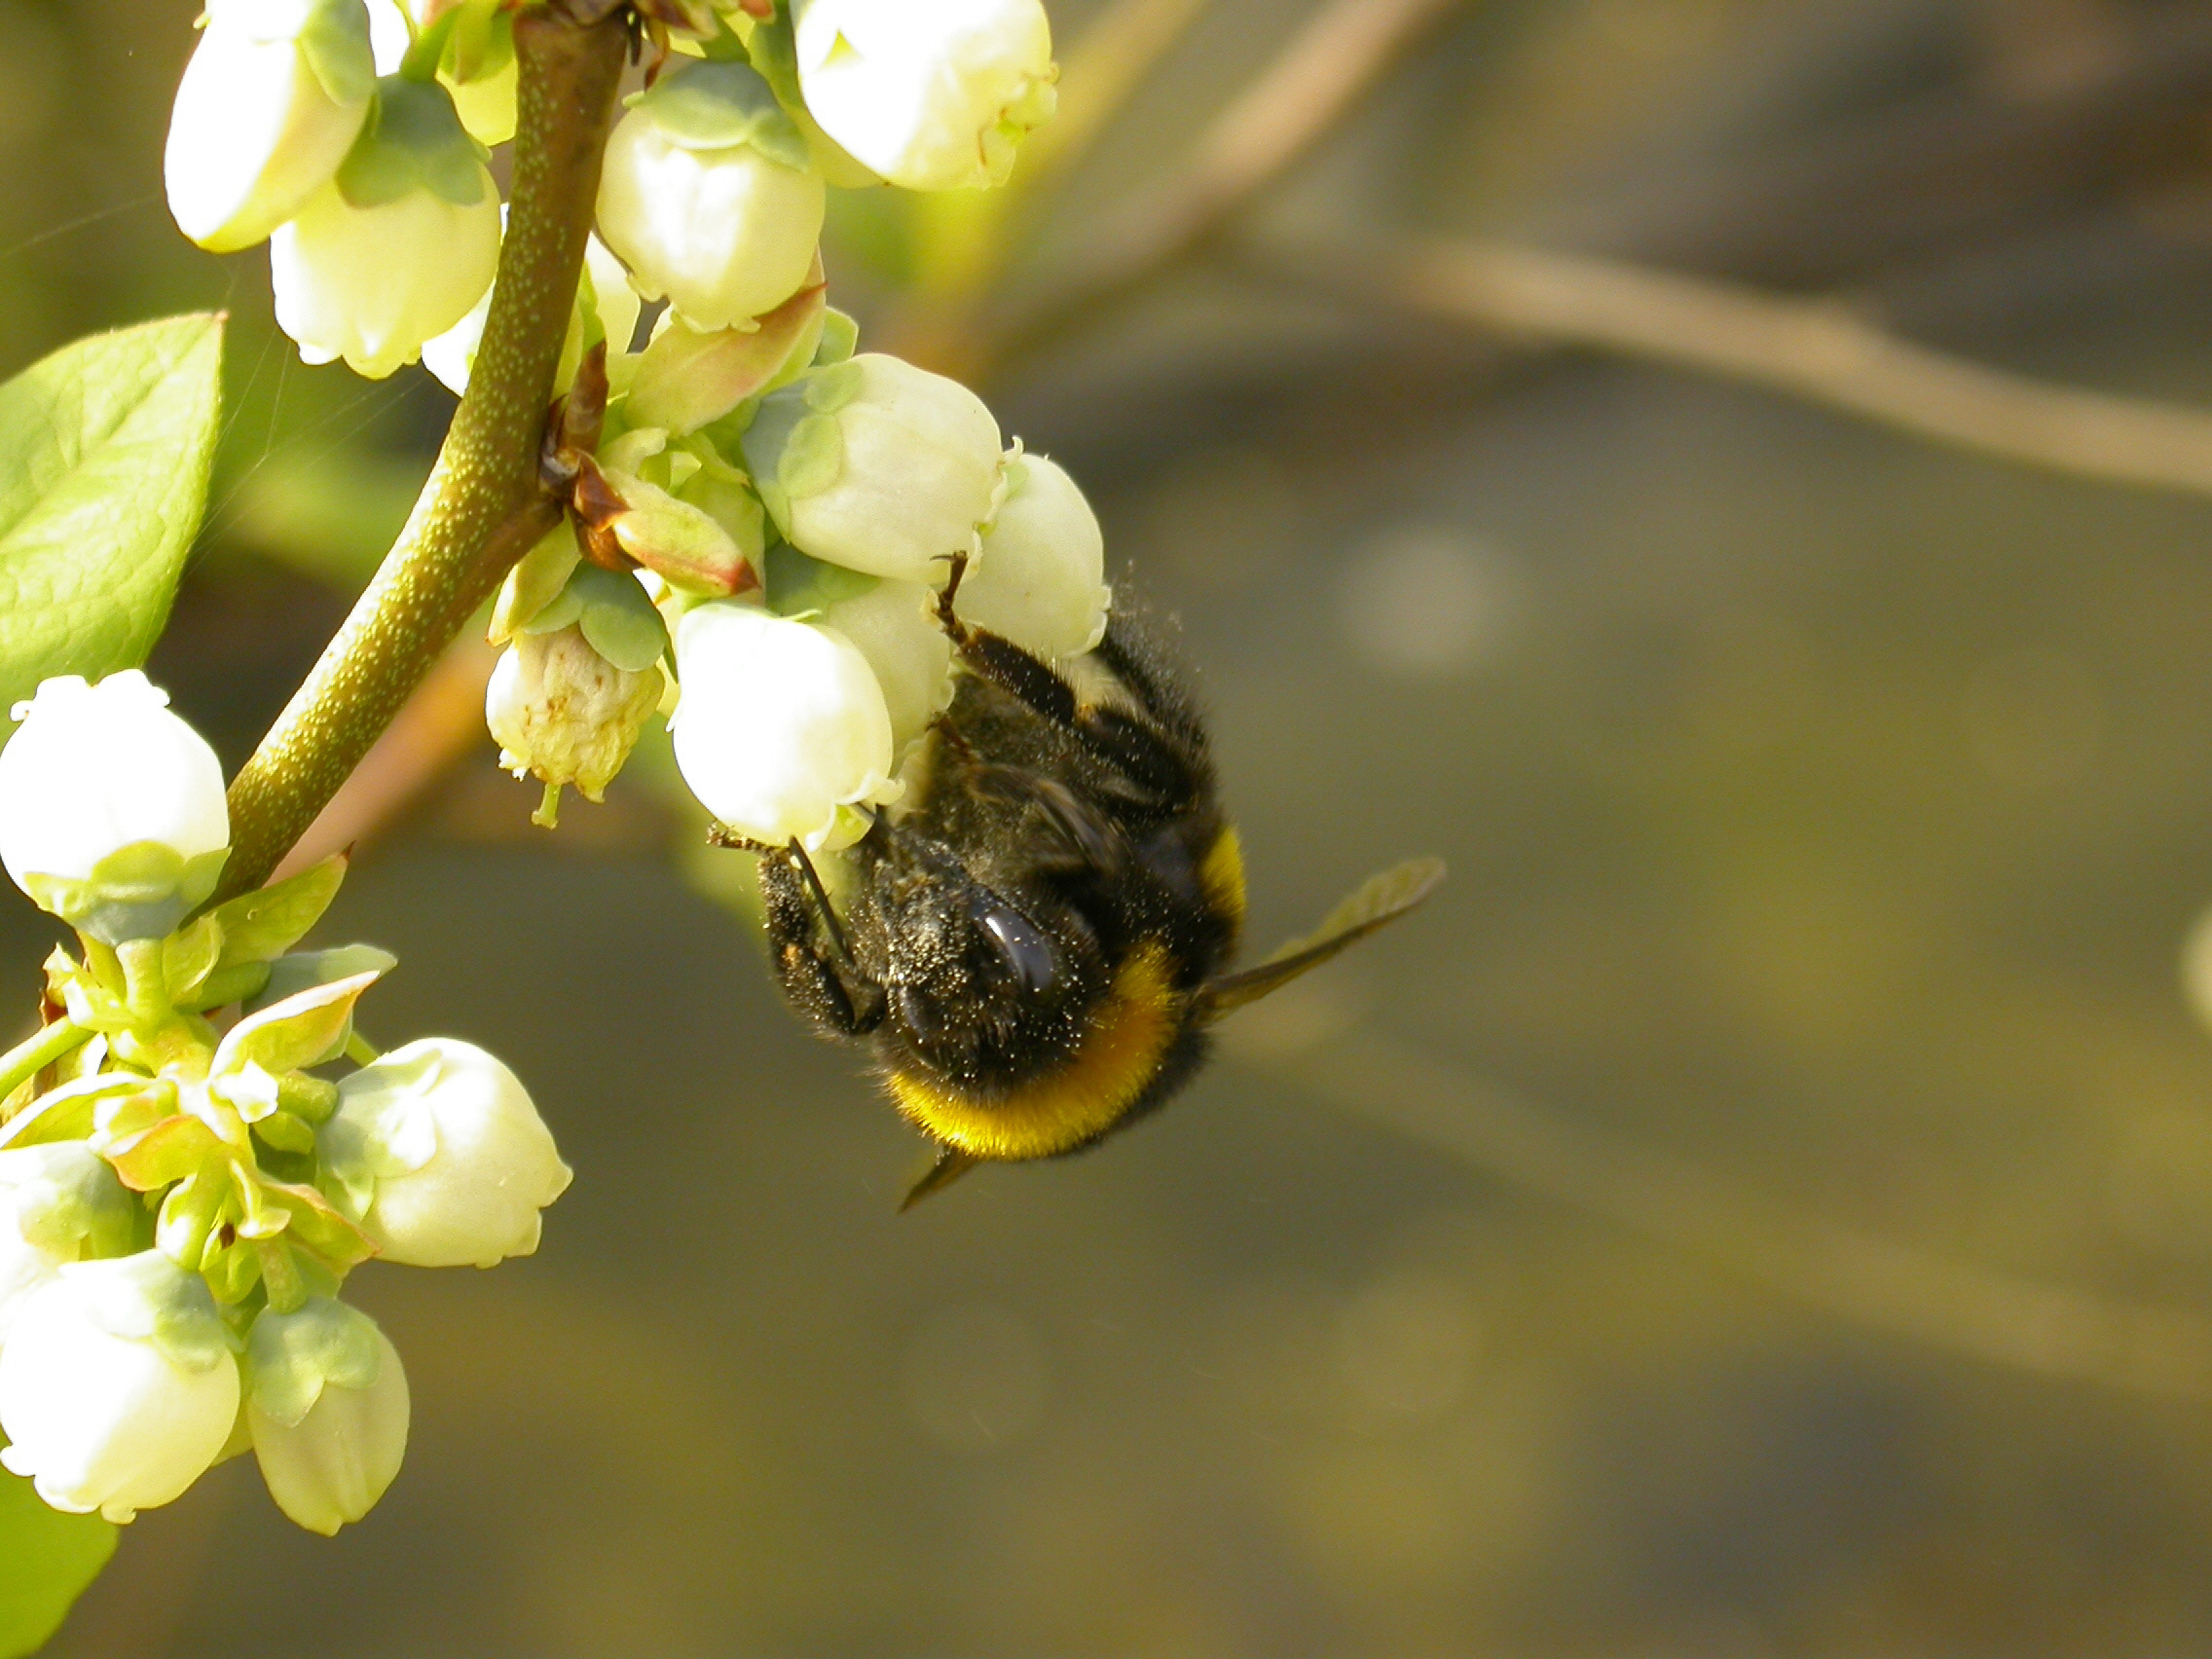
[{"x": 327, "y": 1407}]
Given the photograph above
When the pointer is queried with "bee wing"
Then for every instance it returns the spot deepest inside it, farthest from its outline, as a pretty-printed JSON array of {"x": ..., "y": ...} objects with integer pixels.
[
  {"x": 1382, "y": 898},
  {"x": 951, "y": 1163}
]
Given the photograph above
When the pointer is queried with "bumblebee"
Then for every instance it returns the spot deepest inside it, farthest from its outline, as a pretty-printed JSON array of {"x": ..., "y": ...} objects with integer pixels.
[{"x": 1035, "y": 946}]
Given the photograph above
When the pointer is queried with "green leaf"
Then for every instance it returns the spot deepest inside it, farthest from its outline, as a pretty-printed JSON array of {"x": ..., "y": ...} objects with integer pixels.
[
  {"x": 47, "y": 1560},
  {"x": 104, "y": 454},
  {"x": 268, "y": 921},
  {"x": 299, "y": 1031}
]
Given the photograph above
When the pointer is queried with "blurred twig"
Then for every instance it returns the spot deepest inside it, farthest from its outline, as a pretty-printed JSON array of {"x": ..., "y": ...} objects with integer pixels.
[
  {"x": 1103, "y": 68},
  {"x": 1872, "y": 1281},
  {"x": 1299, "y": 97},
  {"x": 1816, "y": 349},
  {"x": 966, "y": 239}
]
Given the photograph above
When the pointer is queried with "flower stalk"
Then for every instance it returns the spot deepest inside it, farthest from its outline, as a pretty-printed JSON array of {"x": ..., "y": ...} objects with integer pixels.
[
  {"x": 484, "y": 504},
  {"x": 35, "y": 1052}
]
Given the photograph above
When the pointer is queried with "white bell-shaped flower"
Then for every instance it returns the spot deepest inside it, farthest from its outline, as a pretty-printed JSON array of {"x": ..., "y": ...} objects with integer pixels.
[
  {"x": 326, "y": 1405},
  {"x": 118, "y": 1387},
  {"x": 894, "y": 626},
  {"x": 562, "y": 713},
  {"x": 274, "y": 98},
  {"x": 933, "y": 97},
  {"x": 437, "y": 1151},
  {"x": 59, "y": 1204},
  {"x": 1041, "y": 581},
  {"x": 398, "y": 248},
  {"x": 708, "y": 195},
  {"x": 781, "y": 724},
  {"x": 879, "y": 466},
  {"x": 111, "y": 807}
]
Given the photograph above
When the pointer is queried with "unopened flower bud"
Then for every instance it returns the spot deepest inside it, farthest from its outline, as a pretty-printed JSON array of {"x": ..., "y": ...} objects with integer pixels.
[
  {"x": 437, "y": 1151},
  {"x": 894, "y": 626},
  {"x": 271, "y": 100},
  {"x": 398, "y": 248},
  {"x": 117, "y": 1386},
  {"x": 111, "y": 807},
  {"x": 932, "y": 96},
  {"x": 877, "y": 465},
  {"x": 326, "y": 1404},
  {"x": 59, "y": 1204},
  {"x": 562, "y": 713},
  {"x": 781, "y": 724},
  {"x": 708, "y": 195},
  {"x": 1041, "y": 579}
]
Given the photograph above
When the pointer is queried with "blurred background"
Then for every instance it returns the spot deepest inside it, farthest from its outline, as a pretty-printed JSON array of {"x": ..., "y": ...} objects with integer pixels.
[{"x": 1763, "y": 1205}]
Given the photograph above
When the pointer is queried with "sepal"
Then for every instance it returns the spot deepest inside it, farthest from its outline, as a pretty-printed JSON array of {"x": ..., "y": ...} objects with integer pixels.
[{"x": 292, "y": 1357}]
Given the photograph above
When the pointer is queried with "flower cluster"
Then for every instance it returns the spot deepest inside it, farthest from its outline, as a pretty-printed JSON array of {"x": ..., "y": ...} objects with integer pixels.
[
  {"x": 353, "y": 135},
  {"x": 761, "y": 515},
  {"x": 182, "y": 1189},
  {"x": 757, "y": 548}
]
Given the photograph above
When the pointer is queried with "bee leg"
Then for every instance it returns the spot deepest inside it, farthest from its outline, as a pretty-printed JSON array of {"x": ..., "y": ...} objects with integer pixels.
[
  {"x": 1148, "y": 681},
  {"x": 815, "y": 965},
  {"x": 1139, "y": 755}
]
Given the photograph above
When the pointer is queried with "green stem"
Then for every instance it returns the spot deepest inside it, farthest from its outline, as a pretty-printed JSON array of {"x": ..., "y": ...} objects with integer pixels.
[
  {"x": 36, "y": 1053},
  {"x": 484, "y": 505}
]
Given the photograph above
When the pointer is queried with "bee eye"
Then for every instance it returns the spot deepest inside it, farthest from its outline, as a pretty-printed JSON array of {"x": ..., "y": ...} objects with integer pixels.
[{"x": 1021, "y": 945}]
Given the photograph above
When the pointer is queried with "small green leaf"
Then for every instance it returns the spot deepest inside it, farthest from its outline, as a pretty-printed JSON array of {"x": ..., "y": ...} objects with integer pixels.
[
  {"x": 265, "y": 924},
  {"x": 47, "y": 1560},
  {"x": 304, "y": 970},
  {"x": 104, "y": 452},
  {"x": 335, "y": 42},
  {"x": 188, "y": 957},
  {"x": 177, "y": 1146},
  {"x": 619, "y": 623},
  {"x": 301, "y": 1030},
  {"x": 841, "y": 338}
]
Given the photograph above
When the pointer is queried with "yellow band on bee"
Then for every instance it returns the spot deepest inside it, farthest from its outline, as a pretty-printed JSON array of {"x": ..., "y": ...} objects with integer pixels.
[
  {"x": 1117, "y": 1058},
  {"x": 1221, "y": 877}
]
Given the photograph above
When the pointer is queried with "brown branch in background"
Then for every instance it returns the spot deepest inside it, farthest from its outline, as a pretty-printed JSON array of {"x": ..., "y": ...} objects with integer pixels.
[
  {"x": 1343, "y": 51},
  {"x": 1930, "y": 1299},
  {"x": 1101, "y": 72},
  {"x": 1820, "y": 350}
]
